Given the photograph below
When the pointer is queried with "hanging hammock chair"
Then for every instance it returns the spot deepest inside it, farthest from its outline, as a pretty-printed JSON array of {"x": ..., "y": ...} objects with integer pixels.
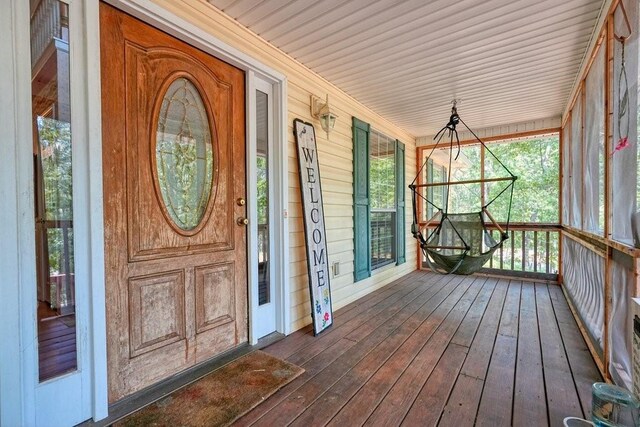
[{"x": 460, "y": 242}]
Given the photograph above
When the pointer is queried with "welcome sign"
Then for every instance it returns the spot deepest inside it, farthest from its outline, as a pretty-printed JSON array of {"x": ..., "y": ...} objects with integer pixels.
[{"x": 315, "y": 234}]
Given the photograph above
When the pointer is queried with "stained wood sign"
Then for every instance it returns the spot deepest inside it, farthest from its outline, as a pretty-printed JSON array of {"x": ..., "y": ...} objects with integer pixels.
[{"x": 315, "y": 234}]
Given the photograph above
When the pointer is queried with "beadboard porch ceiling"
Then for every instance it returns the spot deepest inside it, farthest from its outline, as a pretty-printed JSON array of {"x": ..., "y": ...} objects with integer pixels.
[{"x": 508, "y": 60}]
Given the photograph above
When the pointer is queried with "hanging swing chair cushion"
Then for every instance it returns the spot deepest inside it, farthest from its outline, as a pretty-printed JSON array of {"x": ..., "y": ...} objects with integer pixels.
[{"x": 461, "y": 243}]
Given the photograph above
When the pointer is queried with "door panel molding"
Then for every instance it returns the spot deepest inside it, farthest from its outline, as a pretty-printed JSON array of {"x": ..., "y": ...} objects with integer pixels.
[
  {"x": 161, "y": 322},
  {"x": 167, "y": 239}
]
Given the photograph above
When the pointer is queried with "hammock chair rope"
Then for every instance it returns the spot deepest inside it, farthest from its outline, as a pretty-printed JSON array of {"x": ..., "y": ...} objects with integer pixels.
[{"x": 461, "y": 242}]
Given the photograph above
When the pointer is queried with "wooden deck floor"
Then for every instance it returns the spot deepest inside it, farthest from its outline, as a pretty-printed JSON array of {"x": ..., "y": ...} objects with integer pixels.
[
  {"x": 438, "y": 350},
  {"x": 56, "y": 346}
]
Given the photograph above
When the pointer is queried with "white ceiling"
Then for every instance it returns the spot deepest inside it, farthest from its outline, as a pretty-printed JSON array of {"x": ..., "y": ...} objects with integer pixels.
[{"x": 508, "y": 60}]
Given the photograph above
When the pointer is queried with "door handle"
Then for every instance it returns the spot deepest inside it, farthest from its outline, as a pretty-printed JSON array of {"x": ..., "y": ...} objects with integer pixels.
[
  {"x": 242, "y": 221},
  {"x": 240, "y": 201}
]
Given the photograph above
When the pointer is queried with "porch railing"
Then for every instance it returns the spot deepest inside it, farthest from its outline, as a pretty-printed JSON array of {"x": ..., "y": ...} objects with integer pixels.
[
  {"x": 61, "y": 282},
  {"x": 532, "y": 251},
  {"x": 49, "y": 21}
]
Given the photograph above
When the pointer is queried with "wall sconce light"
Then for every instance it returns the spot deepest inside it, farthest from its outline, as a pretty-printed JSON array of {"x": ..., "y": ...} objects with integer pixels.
[{"x": 322, "y": 111}]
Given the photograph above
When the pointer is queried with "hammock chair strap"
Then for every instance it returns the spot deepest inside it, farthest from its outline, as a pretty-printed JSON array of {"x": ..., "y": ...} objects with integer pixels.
[{"x": 469, "y": 235}]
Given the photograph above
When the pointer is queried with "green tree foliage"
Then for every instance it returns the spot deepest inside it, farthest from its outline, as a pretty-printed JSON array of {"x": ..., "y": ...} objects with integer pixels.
[
  {"x": 382, "y": 180},
  {"x": 536, "y": 164},
  {"x": 54, "y": 137},
  {"x": 535, "y": 198},
  {"x": 263, "y": 190}
]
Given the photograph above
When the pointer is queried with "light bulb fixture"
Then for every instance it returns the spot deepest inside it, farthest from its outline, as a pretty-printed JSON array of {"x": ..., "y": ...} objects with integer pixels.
[{"x": 322, "y": 111}]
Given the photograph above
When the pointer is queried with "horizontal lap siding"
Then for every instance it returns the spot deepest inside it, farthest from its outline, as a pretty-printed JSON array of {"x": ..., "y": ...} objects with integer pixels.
[{"x": 335, "y": 156}]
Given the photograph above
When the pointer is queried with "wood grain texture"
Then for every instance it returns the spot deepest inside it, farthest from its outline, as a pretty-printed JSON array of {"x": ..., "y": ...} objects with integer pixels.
[
  {"x": 174, "y": 297},
  {"x": 56, "y": 346},
  {"x": 453, "y": 355},
  {"x": 529, "y": 404}
]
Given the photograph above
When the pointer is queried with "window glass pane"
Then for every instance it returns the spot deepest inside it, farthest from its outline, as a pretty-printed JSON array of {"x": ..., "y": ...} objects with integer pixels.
[
  {"x": 184, "y": 154},
  {"x": 434, "y": 173},
  {"x": 382, "y": 184},
  {"x": 536, "y": 164},
  {"x": 262, "y": 133},
  {"x": 52, "y": 154},
  {"x": 462, "y": 198}
]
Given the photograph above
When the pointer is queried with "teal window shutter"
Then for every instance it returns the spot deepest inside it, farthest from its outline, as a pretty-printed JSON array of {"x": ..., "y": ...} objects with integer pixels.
[
  {"x": 400, "y": 203},
  {"x": 361, "y": 218}
]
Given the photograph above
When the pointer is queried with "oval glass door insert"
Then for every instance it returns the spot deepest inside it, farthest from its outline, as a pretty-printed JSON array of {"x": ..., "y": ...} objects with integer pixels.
[{"x": 184, "y": 154}]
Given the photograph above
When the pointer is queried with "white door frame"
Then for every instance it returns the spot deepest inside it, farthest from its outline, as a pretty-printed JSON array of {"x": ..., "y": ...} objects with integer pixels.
[
  {"x": 78, "y": 395},
  {"x": 19, "y": 387},
  {"x": 264, "y": 317}
]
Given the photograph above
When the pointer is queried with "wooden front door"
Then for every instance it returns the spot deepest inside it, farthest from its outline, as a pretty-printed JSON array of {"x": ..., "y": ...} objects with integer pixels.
[{"x": 174, "y": 183}]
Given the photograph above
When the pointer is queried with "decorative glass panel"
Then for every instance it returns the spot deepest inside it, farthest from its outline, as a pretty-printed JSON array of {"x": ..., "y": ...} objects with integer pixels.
[
  {"x": 184, "y": 154},
  {"x": 53, "y": 189},
  {"x": 262, "y": 134}
]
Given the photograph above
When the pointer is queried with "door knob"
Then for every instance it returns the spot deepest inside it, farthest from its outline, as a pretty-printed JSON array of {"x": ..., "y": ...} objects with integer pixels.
[
  {"x": 240, "y": 201},
  {"x": 242, "y": 221}
]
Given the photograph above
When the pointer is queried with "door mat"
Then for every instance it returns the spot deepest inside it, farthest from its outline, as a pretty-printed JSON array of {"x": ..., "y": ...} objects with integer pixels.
[{"x": 221, "y": 397}]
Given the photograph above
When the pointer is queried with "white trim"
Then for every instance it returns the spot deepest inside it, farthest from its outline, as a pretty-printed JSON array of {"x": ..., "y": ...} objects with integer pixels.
[
  {"x": 262, "y": 316},
  {"x": 252, "y": 204},
  {"x": 14, "y": 113},
  {"x": 281, "y": 201},
  {"x": 100, "y": 404},
  {"x": 166, "y": 21},
  {"x": 21, "y": 391}
]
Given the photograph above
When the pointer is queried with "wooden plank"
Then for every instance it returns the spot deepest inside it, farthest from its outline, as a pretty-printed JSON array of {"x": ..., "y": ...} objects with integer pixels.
[
  {"x": 52, "y": 335},
  {"x": 562, "y": 396},
  {"x": 349, "y": 386},
  {"x": 583, "y": 367},
  {"x": 478, "y": 360},
  {"x": 515, "y": 135},
  {"x": 291, "y": 407},
  {"x": 529, "y": 405},
  {"x": 361, "y": 325},
  {"x": 511, "y": 311},
  {"x": 497, "y": 396},
  {"x": 470, "y": 181},
  {"x": 469, "y": 326},
  {"x": 398, "y": 401},
  {"x": 360, "y": 406},
  {"x": 327, "y": 405},
  {"x": 334, "y": 362},
  {"x": 467, "y": 392},
  {"x": 300, "y": 338},
  {"x": 45, "y": 353},
  {"x": 428, "y": 406},
  {"x": 330, "y": 403},
  {"x": 463, "y": 402}
]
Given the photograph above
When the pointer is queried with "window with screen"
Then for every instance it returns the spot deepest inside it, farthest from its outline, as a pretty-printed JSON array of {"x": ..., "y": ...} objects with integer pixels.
[{"x": 382, "y": 185}]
